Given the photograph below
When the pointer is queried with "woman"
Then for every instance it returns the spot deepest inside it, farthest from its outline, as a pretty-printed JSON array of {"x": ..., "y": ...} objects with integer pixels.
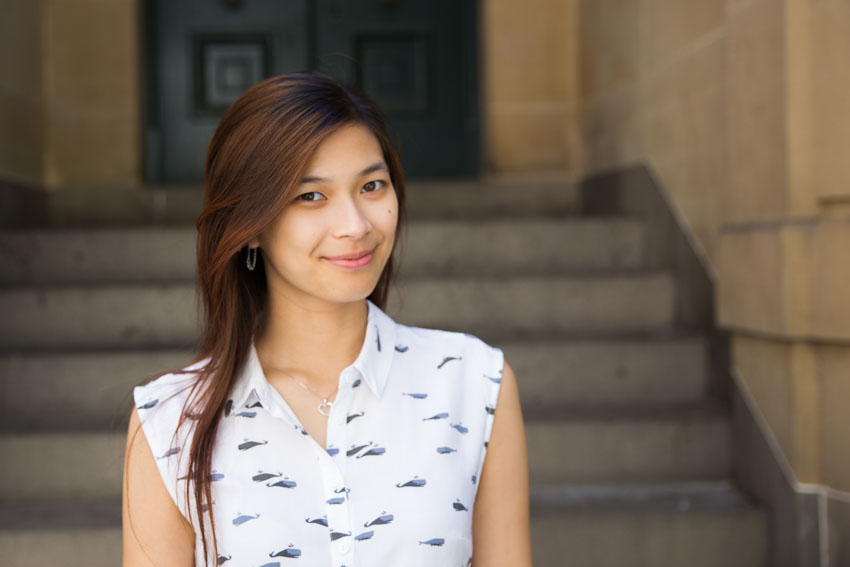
[{"x": 312, "y": 426}]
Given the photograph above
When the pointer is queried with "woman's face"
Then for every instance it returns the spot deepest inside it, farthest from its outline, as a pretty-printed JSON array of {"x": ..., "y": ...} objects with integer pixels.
[{"x": 345, "y": 204}]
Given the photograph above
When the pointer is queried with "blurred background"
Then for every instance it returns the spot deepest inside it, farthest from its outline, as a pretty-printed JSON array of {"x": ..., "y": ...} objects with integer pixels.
[{"x": 645, "y": 203}]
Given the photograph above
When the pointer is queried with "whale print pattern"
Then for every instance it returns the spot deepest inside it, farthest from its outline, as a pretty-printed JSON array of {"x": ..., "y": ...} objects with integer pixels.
[{"x": 393, "y": 482}]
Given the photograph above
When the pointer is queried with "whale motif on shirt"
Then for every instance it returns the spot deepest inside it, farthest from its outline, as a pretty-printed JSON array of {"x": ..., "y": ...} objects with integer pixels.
[
  {"x": 228, "y": 407},
  {"x": 415, "y": 481},
  {"x": 246, "y": 414},
  {"x": 256, "y": 404},
  {"x": 221, "y": 559},
  {"x": 261, "y": 476},
  {"x": 445, "y": 450},
  {"x": 273, "y": 564},
  {"x": 245, "y": 445},
  {"x": 284, "y": 483},
  {"x": 447, "y": 359},
  {"x": 344, "y": 489},
  {"x": 434, "y": 541},
  {"x": 288, "y": 552},
  {"x": 171, "y": 451},
  {"x": 494, "y": 379},
  {"x": 301, "y": 429},
  {"x": 149, "y": 404},
  {"x": 415, "y": 396},
  {"x": 356, "y": 383},
  {"x": 401, "y": 348},
  {"x": 459, "y": 427},
  {"x": 442, "y": 415},
  {"x": 380, "y": 520},
  {"x": 378, "y": 337},
  {"x": 365, "y": 535},
  {"x": 335, "y": 500},
  {"x": 490, "y": 409},
  {"x": 337, "y": 535},
  {"x": 323, "y": 521},
  {"x": 371, "y": 452},
  {"x": 332, "y": 450},
  {"x": 356, "y": 449},
  {"x": 353, "y": 416},
  {"x": 242, "y": 518},
  {"x": 458, "y": 506},
  {"x": 214, "y": 476}
]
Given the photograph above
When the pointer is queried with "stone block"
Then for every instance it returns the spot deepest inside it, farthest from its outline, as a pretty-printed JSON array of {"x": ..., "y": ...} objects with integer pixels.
[
  {"x": 756, "y": 103},
  {"x": 91, "y": 59},
  {"x": 608, "y": 47},
  {"x": 87, "y": 151},
  {"x": 833, "y": 362},
  {"x": 831, "y": 84},
  {"x": 667, "y": 28},
  {"x": 764, "y": 366},
  {"x": 750, "y": 290},
  {"x": 527, "y": 136}
]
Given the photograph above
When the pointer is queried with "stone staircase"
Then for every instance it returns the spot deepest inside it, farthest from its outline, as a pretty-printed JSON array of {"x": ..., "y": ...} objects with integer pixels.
[{"x": 630, "y": 457}]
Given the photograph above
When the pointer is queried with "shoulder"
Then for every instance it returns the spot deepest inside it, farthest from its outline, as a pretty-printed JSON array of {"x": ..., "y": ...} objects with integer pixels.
[
  {"x": 438, "y": 343},
  {"x": 165, "y": 389},
  {"x": 162, "y": 402}
]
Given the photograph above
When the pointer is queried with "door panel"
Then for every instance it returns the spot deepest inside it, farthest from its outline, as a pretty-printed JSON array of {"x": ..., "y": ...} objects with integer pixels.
[
  {"x": 208, "y": 53},
  {"x": 417, "y": 60}
]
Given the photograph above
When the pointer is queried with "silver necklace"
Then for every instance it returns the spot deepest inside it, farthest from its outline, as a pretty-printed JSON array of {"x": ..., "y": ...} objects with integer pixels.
[{"x": 322, "y": 407}]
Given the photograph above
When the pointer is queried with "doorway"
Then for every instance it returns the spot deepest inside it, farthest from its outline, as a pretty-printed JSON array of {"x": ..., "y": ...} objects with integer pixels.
[{"x": 416, "y": 58}]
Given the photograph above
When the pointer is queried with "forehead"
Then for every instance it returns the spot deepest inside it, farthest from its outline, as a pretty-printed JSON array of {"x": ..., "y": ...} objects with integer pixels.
[{"x": 345, "y": 152}]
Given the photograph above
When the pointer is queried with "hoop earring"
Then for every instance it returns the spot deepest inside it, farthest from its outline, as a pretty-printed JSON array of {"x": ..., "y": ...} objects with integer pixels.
[{"x": 252, "y": 258}]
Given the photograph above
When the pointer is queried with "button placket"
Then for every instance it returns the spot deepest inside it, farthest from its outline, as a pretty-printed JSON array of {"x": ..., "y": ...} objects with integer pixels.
[{"x": 333, "y": 469}]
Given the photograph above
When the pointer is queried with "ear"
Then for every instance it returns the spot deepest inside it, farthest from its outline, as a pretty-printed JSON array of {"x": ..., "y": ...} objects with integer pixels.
[{"x": 254, "y": 243}]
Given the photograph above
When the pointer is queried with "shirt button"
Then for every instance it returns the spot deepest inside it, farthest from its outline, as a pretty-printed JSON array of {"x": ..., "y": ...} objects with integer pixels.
[{"x": 343, "y": 547}]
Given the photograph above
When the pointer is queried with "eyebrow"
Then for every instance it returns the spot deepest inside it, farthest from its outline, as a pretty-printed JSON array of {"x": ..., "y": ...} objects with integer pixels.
[{"x": 377, "y": 166}]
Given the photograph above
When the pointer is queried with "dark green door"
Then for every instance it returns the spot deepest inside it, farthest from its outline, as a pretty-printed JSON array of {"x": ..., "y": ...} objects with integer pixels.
[
  {"x": 417, "y": 60},
  {"x": 415, "y": 57}
]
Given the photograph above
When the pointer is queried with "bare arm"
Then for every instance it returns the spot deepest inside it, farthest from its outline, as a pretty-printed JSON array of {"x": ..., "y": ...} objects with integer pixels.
[
  {"x": 501, "y": 530},
  {"x": 159, "y": 535}
]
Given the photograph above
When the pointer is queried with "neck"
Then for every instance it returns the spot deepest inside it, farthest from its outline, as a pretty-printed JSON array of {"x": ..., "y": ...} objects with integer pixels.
[{"x": 312, "y": 342}]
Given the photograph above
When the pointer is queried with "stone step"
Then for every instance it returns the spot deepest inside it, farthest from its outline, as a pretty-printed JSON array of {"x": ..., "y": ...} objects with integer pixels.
[
  {"x": 666, "y": 444},
  {"x": 180, "y": 205},
  {"x": 703, "y": 525},
  {"x": 629, "y": 444},
  {"x": 699, "y": 525},
  {"x": 464, "y": 246},
  {"x": 164, "y": 314},
  {"x": 94, "y": 388},
  {"x": 615, "y": 370}
]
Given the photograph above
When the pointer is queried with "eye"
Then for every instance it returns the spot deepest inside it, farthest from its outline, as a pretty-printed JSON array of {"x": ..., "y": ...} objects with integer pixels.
[
  {"x": 304, "y": 195},
  {"x": 374, "y": 185}
]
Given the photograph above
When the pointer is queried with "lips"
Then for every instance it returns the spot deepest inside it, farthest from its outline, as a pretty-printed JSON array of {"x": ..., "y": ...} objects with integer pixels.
[
  {"x": 353, "y": 255},
  {"x": 353, "y": 260}
]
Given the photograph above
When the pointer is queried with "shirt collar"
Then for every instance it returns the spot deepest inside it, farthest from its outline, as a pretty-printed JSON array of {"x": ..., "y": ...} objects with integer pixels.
[{"x": 372, "y": 364}]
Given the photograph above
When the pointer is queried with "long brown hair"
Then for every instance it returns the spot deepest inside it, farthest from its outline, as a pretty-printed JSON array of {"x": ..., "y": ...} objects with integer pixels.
[{"x": 256, "y": 158}]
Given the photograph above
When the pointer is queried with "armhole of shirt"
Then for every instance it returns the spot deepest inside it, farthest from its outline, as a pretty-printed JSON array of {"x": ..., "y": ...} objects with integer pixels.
[
  {"x": 492, "y": 365},
  {"x": 158, "y": 425}
]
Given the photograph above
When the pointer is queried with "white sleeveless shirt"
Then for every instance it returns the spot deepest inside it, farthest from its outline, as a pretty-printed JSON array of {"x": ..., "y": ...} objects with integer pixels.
[{"x": 406, "y": 441}]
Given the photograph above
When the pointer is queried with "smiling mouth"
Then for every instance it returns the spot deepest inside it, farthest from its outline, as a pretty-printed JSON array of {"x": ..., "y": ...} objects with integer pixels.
[{"x": 357, "y": 262}]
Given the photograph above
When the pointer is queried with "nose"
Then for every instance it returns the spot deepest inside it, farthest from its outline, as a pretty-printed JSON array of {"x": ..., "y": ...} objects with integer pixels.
[{"x": 351, "y": 220}]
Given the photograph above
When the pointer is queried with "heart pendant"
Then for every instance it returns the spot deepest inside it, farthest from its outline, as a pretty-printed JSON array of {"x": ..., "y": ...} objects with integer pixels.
[{"x": 326, "y": 405}]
